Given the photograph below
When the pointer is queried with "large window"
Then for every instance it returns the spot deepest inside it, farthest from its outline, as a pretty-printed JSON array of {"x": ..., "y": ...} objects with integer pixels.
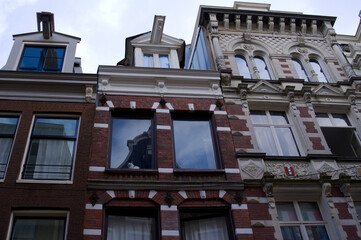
[
  {"x": 200, "y": 56},
  {"x": 194, "y": 144},
  {"x": 42, "y": 59},
  {"x": 262, "y": 68},
  {"x": 205, "y": 225},
  {"x": 274, "y": 133},
  {"x": 7, "y": 133},
  {"x": 51, "y": 150},
  {"x": 300, "y": 69},
  {"x": 132, "y": 225},
  {"x": 301, "y": 221},
  {"x": 243, "y": 67},
  {"x": 321, "y": 76},
  {"x": 340, "y": 136},
  {"x": 132, "y": 143}
]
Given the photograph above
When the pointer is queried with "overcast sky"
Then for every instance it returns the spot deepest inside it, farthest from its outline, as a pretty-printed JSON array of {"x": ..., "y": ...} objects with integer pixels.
[{"x": 103, "y": 25}]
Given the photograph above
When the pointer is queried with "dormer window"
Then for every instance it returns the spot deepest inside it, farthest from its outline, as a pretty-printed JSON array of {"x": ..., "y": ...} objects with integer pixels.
[
  {"x": 42, "y": 59},
  {"x": 156, "y": 60},
  {"x": 148, "y": 60},
  {"x": 164, "y": 61}
]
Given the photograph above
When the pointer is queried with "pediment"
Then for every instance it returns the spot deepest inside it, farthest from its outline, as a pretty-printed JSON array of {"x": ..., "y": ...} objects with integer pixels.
[
  {"x": 266, "y": 87},
  {"x": 166, "y": 40},
  {"x": 327, "y": 90}
]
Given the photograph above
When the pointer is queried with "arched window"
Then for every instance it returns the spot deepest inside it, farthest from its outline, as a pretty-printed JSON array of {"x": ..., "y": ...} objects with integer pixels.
[
  {"x": 243, "y": 67},
  {"x": 321, "y": 76},
  {"x": 300, "y": 69},
  {"x": 262, "y": 68}
]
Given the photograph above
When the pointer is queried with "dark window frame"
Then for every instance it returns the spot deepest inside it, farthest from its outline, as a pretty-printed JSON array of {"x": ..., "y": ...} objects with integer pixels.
[
  {"x": 48, "y": 137},
  {"x": 152, "y": 212},
  {"x": 213, "y": 212},
  {"x": 213, "y": 130},
  {"x": 129, "y": 114}
]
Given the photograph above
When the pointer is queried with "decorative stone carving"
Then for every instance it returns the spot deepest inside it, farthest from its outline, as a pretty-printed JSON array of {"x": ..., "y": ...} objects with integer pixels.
[
  {"x": 302, "y": 50},
  {"x": 252, "y": 169},
  {"x": 326, "y": 190},
  {"x": 291, "y": 96},
  {"x": 301, "y": 169},
  {"x": 268, "y": 189},
  {"x": 226, "y": 79},
  {"x": 345, "y": 189},
  {"x": 352, "y": 99},
  {"x": 248, "y": 47},
  {"x": 243, "y": 93},
  {"x": 247, "y": 37},
  {"x": 326, "y": 168},
  {"x": 88, "y": 93},
  {"x": 307, "y": 97}
]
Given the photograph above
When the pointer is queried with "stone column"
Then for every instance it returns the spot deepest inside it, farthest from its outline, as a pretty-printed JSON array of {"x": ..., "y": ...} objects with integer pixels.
[{"x": 215, "y": 40}]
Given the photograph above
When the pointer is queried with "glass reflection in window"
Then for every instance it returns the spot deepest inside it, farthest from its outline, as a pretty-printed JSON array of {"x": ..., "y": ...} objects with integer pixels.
[
  {"x": 148, "y": 60},
  {"x": 262, "y": 68},
  {"x": 7, "y": 133},
  {"x": 321, "y": 76},
  {"x": 164, "y": 61},
  {"x": 300, "y": 69},
  {"x": 243, "y": 67}
]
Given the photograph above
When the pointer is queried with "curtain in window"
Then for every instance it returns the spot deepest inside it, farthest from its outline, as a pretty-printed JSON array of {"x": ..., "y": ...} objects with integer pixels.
[
  {"x": 5, "y": 145},
  {"x": 206, "y": 229},
  {"x": 129, "y": 228},
  {"x": 38, "y": 229}
]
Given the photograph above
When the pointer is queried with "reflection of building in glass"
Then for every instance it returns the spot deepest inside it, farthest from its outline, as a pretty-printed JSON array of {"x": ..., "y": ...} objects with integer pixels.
[{"x": 140, "y": 152}]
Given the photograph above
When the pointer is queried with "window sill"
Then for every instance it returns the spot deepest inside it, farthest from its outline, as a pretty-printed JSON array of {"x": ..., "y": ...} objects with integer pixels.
[
  {"x": 200, "y": 171},
  {"x": 45, "y": 181},
  {"x": 127, "y": 171}
]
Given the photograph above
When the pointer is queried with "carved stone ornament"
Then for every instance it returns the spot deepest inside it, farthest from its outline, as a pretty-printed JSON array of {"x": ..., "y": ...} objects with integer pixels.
[
  {"x": 268, "y": 189},
  {"x": 345, "y": 189},
  {"x": 247, "y": 37},
  {"x": 352, "y": 99},
  {"x": 243, "y": 93},
  {"x": 248, "y": 47},
  {"x": 88, "y": 93},
  {"x": 169, "y": 199},
  {"x": 291, "y": 96},
  {"x": 326, "y": 169},
  {"x": 226, "y": 79},
  {"x": 302, "y": 50},
  {"x": 103, "y": 99},
  {"x": 93, "y": 198},
  {"x": 326, "y": 190},
  {"x": 307, "y": 97},
  {"x": 252, "y": 169}
]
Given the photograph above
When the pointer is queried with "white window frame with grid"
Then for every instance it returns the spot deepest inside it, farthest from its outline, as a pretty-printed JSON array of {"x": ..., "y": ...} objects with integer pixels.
[
  {"x": 273, "y": 127},
  {"x": 302, "y": 224}
]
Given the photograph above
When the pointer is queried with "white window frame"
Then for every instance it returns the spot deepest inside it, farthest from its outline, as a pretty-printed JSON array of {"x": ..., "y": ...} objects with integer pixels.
[
  {"x": 38, "y": 213},
  {"x": 25, "y": 155},
  {"x": 301, "y": 223},
  {"x": 270, "y": 124}
]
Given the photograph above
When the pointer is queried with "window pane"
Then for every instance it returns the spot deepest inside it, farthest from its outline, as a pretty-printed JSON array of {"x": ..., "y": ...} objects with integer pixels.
[
  {"x": 38, "y": 229},
  {"x": 243, "y": 67},
  {"x": 164, "y": 61},
  {"x": 33, "y": 52},
  {"x": 5, "y": 146},
  {"x": 310, "y": 211},
  {"x": 30, "y": 63},
  {"x": 318, "y": 70},
  {"x": 279, "y": 118},
  {"x": 7, "y": 132},
  {"x": 42, "y": 59},
  {"x": 265, "y": 140},
  {"x": 287, "y": 142},
  {"x": 130, "y": 228},
  {"x": 55, "y": 127},
  {"x": 300, "y": 70},
  {"x": 341, "y": 141},
  {"x": 291, "y": 233},
  {"x": 323, "y": 119},
  {"x": 317, "y": 233},
  {"x": 358, "y": 209},
  {"x": 200, "y": 57},
  {"x": 131, "y": 143},
  {"x": 205, "y": 229},
  {"x": 193, "y": 145},
  {"x": 286, "y": 212},
  {"x": 259, "y": 117},
  {"x": 49, "y": 159},
  {"x": 262, "y": 68},
  {"x": 52, "y": 61},
  {"x": 8, "y": 125},
  {"x": 340, "y": 120},
  {"x": 148, "y": 60}
]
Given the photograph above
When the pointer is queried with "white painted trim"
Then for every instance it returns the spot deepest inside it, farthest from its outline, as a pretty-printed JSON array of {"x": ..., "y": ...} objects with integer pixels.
[
  {"x": 163, "y": 127},
  {"x": 171, "y": 208},
  {"x": 220, "y": 112},
  {"x": 102, "y": 108},
  {"x": 223, "y": 129},
  {"x": 191, "y": 107},
  {"x": 95, "y": 232},
  {"x": 170, "y": 107},
  {"x": 111, "y": 193},
  {"x": 101, "y": 125},
  {"x": 183, "y": 194},
  {"x": 170, "y": 233},
  {"x": 110, "y": 104},
  {"x": 165, "y": 170},
  {"x": 244, "y": 231},
  {"x": 152, "y": 193},
  {"x": 155, "y": 105},
  {"x": 133, "y": 105},
  {"x": 232, "y": 170},
  {"x": 238, "y": 207},
  {"x": 221, "y": 193},
  {"x": 96, "y": 169},
  {"x": 162, "y": 111},
  {"x": 212, "y": 107},
  {"x": 95, "y": 207}
]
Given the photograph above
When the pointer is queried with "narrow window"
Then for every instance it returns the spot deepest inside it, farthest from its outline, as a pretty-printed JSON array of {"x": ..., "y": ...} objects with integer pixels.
[
  {"x": 194, "y": 145},
  {"x": 148, "y": 60},
  {"x": 321, "y": 76},
  {"x": 243, "y": 67},
  {"x": 164, "y": 61},
  {"x": 200, "y": 56},
  {"x": 7, "y": 132},
  {"x": 274, "y": 133},
  {"x": 51, "y": 150},
  {"x": 358, "y": 210},
  {"x": 132, "y": 143},
  {"x": 300, "y": 69},
  {"x": 42, "y": 59},
  {"x": 262, "y": 68}
]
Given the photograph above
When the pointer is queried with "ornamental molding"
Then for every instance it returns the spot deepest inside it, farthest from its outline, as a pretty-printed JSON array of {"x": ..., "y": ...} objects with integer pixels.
[
  {"x": 252, "y": 169},
  {"x": 328, "y": 168},
  {"x": 301, "y": 169}
]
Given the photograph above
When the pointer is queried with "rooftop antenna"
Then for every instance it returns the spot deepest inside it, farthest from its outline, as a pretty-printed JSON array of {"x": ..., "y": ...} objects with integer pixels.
[{"x": 47, "y": 19}]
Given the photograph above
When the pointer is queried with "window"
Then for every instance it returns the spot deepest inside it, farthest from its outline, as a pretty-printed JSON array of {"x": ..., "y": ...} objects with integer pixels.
[
  {"x": 194, "y": 146},
  {"x": 358, "y": 210},
  {"x": 200, "y": 59},
  {"x": 321, "y": 76},
  {"x": 340, "y": 136},
  {"x": 126, "y": 224},
  {"x": 42, "y": 59},
  {"x": 205, "y": 225},
  {"x": 301, "y": 220},
  {"x": 300, "y": 69},
  {"x": 243, "y": 67},
  {"x": 7, "y": 132},
  {"x": 148, "y": 60},
  {"x": 51, "y": 150},
  {"x": 132, "y": 143},
  {"x": 274, "y": 134},
  {"x": 164, "y": 61},
  {"x": 262, "y": 68}
]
